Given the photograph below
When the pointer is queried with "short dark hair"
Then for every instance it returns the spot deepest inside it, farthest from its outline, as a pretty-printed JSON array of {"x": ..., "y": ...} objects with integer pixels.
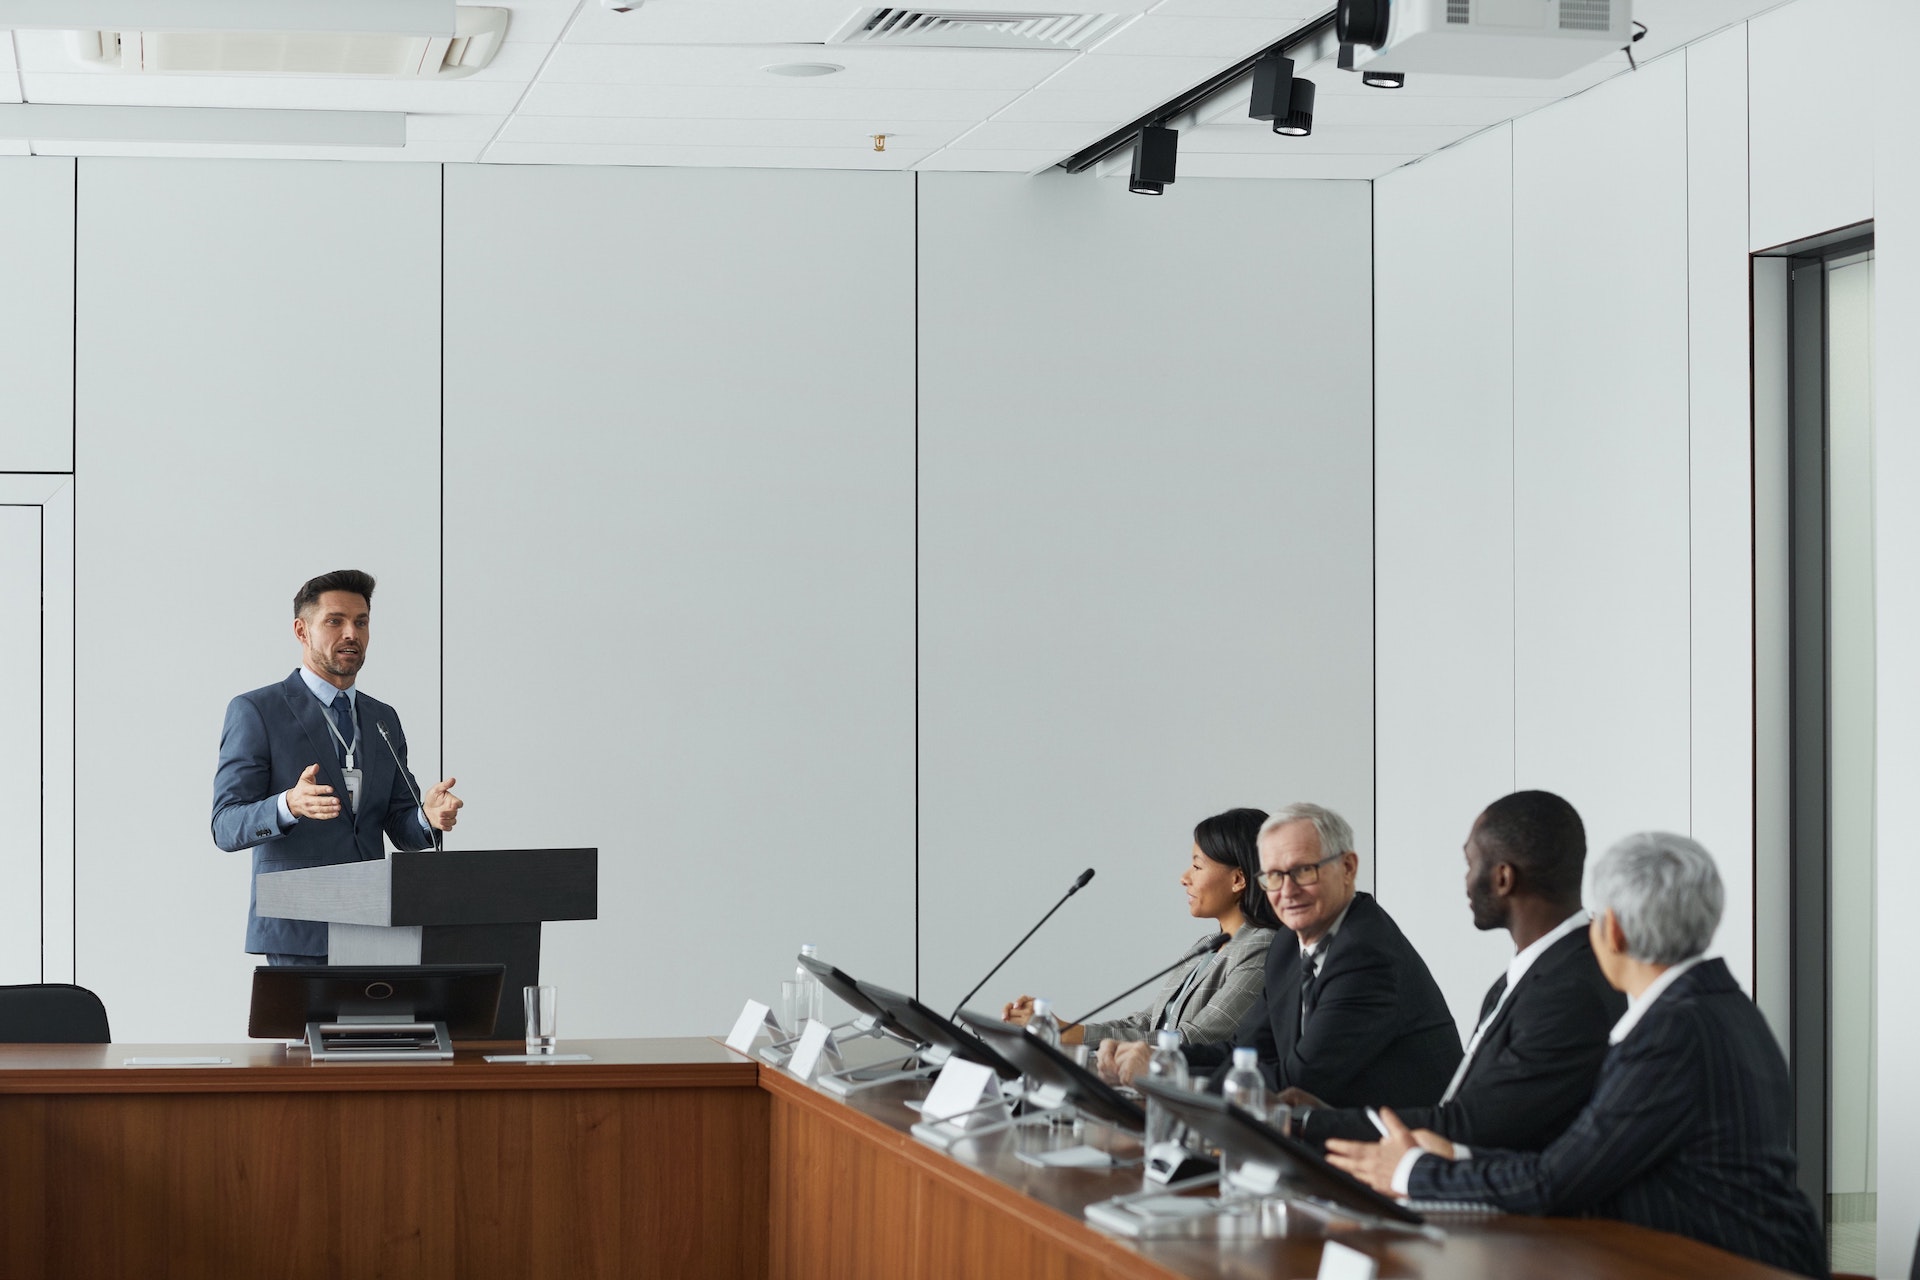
[
  {"x": 1232, "y": 839},
  {"x": 354, "y": 580},
  {"x": 1540, "y": 836}
]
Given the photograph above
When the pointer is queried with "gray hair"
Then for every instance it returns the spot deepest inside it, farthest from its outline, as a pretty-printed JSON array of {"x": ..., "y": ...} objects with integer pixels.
[
  {"x": 1665, "y": 892},
  {"x": 1336, "y": 834}
]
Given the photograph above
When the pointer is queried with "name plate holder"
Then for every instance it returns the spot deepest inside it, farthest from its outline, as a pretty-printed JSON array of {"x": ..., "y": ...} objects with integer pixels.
[{"x": 374, "y": 1039}]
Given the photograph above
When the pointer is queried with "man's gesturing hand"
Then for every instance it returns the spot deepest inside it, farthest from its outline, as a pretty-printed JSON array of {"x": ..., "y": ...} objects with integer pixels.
[
  {"x": 312, "y": 799},
  {"x": 442, "y": 806}
]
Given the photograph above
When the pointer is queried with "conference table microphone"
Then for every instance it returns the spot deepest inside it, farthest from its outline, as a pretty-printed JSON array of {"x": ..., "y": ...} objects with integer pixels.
[
  {"x": 1205, "y": 947},
  {"x": 1078, "y": 885},
  {"x": 412, "y": 790}
]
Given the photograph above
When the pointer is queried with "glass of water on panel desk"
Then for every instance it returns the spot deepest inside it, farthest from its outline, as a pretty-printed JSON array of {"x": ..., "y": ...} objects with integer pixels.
[{"x": 543, "y": 1019}]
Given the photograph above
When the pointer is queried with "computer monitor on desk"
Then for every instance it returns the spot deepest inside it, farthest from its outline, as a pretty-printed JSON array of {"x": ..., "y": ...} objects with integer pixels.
[
  {"x": 376, "y": 1012},
  {"x": 1040, "y": 1061},
  {"x": 909, "y": 1018}
]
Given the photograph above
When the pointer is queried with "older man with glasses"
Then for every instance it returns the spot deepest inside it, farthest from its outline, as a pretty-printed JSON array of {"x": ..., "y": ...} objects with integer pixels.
[
  {"x": 1350, "y": 1012},
  {"x": 1690, "y": 1128}
]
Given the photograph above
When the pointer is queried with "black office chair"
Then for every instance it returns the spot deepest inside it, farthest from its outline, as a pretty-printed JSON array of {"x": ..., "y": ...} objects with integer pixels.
[{"x": 52, "y": 1013}]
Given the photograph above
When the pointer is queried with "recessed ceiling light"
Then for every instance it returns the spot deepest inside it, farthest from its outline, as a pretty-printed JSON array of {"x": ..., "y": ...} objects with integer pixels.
[{"x": 804, "y": 68}]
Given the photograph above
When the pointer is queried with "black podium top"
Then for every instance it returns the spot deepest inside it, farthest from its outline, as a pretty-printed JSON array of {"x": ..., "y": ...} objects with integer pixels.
[{"x": 468, "y": 886}]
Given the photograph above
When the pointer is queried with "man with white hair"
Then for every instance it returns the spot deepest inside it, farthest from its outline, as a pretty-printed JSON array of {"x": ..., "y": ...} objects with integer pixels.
[
  {"x": 1690, "y": 1125},
  {"x": 1350, "y": 1012}
]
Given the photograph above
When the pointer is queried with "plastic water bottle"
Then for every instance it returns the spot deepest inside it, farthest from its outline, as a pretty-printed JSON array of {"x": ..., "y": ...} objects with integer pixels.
[
  {"x": 809, "y": 997},
  {"x": 1168, "y": 1066},
  {"x": 1245, "y": 1087},
  {"x": 1042, "y": 1026}
]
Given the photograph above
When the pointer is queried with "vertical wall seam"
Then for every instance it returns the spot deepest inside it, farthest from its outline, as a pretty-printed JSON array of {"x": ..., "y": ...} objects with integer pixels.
[
  {"x": 42, "y": 913},
  {"x": 73, "y": 638},
  {"x": 916, "y": 584},
  {"x": 1513, "y": 452},
  {"x": 442, "y": 469},
  {"x": 1693, "y": 638},
  {"x": 1373, "y": 502}
]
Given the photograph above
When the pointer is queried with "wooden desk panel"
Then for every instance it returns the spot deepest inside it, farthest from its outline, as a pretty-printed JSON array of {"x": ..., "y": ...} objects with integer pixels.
[{"x": 651, "y": 1161}]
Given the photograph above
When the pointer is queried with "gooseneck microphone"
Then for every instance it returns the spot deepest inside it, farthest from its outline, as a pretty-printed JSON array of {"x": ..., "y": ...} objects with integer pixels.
[
  {"x": 1205, "y": 947},
  {"x": 1078, "y": 885},
  {"x": 412, "y": 790}
]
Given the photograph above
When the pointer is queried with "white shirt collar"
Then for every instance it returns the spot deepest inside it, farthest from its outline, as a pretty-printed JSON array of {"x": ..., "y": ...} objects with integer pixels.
[
  {"x": 1638, "y": 1006},
  {"x": 324, "y": 691},
  {"x": 1327, "y": 937},
  {"x": 1524, "y": 958}
]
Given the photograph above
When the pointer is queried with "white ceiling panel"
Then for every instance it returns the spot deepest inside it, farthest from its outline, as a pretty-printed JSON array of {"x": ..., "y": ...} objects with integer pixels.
[
  {"x": 1012, "y": 135},
  {"x": 808, "y": 100},
  {"x": 1155, "y": 78},
  {"x": 1325, "y": 140},
  {"x": 1383, "y": 109},
  {"x": 14, "y": 147},
  {"x": 745, "y": 65},
  {"x": 953, "y": 160},
  {"x": 464, "y": 97},
  {"x": 417, "y": 153},
  {"x": 539, "y": 21},
  {"x": 431, "y": 128},
  {"x": 1297, "y": 13},
  {"x": 1111, "y": 107},
  {"x": 704, "y": 157},
  {"x": 712, "y": 22},
  {"x": 1223, "y": 39},
  {"x": 9, "y": 74},
  {"x": 920, "y": 136},
  {"x": 47, "y": 52},
  {"x": 1315, "y": 168}
]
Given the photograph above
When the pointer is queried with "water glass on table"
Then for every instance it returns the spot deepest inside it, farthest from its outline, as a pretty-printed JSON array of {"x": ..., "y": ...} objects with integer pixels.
[{"x": 543, "y": 1019}]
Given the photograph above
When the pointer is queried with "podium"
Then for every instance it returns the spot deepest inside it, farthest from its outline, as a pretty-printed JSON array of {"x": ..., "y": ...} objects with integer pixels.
[{"x": 474, "y": 906}]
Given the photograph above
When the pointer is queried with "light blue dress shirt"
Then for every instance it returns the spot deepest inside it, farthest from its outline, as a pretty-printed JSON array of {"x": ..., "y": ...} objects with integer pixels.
[{"x": 326, "y": 693}]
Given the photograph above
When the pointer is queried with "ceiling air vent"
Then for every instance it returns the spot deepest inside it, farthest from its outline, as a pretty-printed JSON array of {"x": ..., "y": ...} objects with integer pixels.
[
  {"x": 965, "y": 29},
  {"x": 478, "y": 33}
]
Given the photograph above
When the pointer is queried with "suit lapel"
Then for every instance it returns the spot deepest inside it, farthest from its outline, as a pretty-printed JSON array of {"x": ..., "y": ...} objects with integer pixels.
[
  {"x": 1290, "y": 1016},
  {"x": 310, "y": 716}
]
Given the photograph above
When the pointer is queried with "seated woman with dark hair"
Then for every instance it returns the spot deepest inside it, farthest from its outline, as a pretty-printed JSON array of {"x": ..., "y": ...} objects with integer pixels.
[{"x": 1205, "y": 998}]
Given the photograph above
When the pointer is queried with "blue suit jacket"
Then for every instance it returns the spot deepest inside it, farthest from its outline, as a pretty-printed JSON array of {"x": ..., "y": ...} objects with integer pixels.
[
  {"x": 271, "y": 735},
  {"x": 1690, "y": 1130}
]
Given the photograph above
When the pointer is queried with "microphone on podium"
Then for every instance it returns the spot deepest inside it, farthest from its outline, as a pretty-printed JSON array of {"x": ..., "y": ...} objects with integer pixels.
[
  {"x": 1077, "y": 886},
  {"x": 412, "y": 790},
  {"x": 1205, "y": 947}
]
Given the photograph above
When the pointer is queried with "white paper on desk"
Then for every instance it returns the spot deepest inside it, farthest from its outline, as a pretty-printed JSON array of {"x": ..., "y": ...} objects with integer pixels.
[
  {"x": 176, "y": 1062},
  {"x": 806, "y": 1055},
  {"x": 748, "y": 1024},
  {"x": 960, "y": 1086},
  {"x": 1337, "y": 1262},
  {"x": 1080, "y": 1157}
]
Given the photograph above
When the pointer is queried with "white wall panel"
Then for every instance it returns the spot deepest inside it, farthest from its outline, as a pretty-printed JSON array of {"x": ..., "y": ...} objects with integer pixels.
[
  {"x": 679, "y": 573},
  {"x": 36, "y": 314},
  {"x": 1601, "y": 537},
  {"x": 1443, "y": 533},
  {"x": 1720, "y": 479},
  {"x": 1145, "y": 553},
  {"x": 1897, "y": 605},
  {"x": 20, "y": 809},
  {"x": 1812, "y": 118},
  {"x": 258, "y": 403}
]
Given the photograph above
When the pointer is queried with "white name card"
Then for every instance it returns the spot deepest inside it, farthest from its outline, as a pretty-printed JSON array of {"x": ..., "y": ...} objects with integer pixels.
[
  {"x": 960, "y": 1087},
  {"x": 818, "y": 1037},
  {"x": 1337, "y": 1262},
  {"x": 749, "y": 1024}
]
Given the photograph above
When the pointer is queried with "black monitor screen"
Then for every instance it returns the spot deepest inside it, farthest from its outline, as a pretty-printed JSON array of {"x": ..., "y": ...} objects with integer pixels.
[
  {"x": 1048, "y": 1065},
  {"x": 1219, "y": 1121},
  {"x": 842, "y": 985},
  {"x": 287, "y": 997},
  {"x": 917, "y": 1022}
]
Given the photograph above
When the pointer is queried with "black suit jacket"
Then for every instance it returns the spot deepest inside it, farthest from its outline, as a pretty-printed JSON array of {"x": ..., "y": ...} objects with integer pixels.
[
  {"x": 1535, "y": 1065},
  {"x": 1379, "y": 1030},
  {"x": 1690, "y": 1130}
]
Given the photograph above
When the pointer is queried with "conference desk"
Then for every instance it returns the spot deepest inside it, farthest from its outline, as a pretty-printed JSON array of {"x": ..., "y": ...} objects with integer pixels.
[{"x": 657, "y": 1158}]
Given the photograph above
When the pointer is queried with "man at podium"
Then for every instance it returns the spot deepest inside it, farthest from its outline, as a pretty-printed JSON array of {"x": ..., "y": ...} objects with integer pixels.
[{"x": 312, "y": 770}]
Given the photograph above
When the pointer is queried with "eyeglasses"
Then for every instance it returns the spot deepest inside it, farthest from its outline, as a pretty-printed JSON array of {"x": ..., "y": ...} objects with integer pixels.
[{"x": 1307, "y": 873}]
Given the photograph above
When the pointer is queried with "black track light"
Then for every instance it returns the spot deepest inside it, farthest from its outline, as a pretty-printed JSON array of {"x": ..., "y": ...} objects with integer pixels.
[
  {"x": 1383, "y": 79},
  {"x": 1298, "y": 122},
  {"x": 1362, "y": 22},
  {"x": 1272, "y": 88},
  {"x": 1153, "y": 160}
]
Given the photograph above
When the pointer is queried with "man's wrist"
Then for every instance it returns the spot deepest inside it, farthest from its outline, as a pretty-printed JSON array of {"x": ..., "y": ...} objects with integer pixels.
[
  {"x": 1403, "y": 1174},
  {"x": 287, "y": 818}
]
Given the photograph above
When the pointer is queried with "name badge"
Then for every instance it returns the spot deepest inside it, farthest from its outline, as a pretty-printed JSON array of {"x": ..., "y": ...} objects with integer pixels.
[{"x": 353, "y": 777}]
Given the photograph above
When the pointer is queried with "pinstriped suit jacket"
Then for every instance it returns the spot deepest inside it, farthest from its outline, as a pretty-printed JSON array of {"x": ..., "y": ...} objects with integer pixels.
[
  {"x": 1689, "y": 1131},
  {"x": 1234, "y": 977}
]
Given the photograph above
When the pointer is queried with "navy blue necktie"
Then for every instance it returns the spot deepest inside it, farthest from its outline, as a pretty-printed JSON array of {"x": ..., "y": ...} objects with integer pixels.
[{"x": 342, "y": 711}]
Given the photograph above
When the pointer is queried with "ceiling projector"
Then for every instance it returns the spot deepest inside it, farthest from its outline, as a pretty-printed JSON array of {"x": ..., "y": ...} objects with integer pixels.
[{"x": 1524, "y": 39}]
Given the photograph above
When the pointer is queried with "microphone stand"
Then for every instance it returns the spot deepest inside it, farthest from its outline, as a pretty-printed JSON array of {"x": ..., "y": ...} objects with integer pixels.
[
  {"x": 393, "y": 751},
  {"x": 1077, "y": 886},
  {"x": 1213, "y": 945}
]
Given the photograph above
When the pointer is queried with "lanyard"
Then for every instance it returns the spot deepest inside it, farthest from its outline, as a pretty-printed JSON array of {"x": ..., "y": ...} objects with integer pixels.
[{"x": 353, "y": 709}]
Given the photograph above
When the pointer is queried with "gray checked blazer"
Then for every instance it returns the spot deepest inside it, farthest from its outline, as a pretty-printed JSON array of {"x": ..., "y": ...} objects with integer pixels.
[{"x": 1231, "y": 984}]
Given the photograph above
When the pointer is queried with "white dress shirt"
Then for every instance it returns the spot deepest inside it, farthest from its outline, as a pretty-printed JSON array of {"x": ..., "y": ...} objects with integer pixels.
[{"x": 326, "y": 693}]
